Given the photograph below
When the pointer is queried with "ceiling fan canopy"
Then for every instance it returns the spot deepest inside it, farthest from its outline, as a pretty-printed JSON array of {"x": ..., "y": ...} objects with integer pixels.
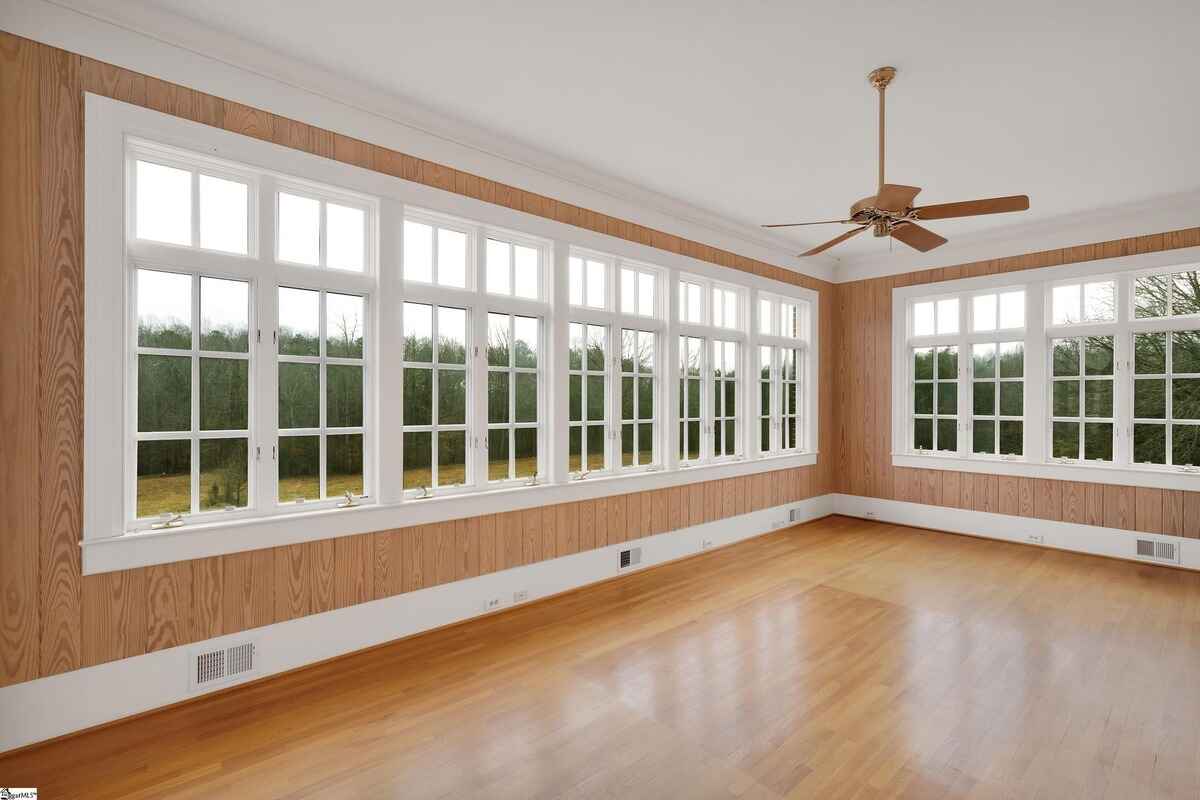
[{"x": 890, "y": 211}]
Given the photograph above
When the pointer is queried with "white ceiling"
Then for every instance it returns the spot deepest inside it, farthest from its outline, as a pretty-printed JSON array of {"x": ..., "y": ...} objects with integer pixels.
[{"x": 760, "y": 112}]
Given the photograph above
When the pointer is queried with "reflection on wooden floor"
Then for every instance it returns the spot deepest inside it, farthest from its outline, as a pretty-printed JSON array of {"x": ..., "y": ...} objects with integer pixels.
[{"x": 839, "y": 659}]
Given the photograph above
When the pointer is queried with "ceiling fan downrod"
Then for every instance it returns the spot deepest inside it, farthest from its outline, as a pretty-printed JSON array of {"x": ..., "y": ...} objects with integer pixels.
[{"x": 880, "y": 78}]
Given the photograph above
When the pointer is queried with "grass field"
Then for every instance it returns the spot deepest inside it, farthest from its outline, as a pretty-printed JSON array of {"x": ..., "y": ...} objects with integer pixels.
[{"x": 162, "y": 494}]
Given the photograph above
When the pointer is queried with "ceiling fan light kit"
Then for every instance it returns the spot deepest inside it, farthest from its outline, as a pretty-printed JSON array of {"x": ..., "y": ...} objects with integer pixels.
[{"x": 890, "y": 211}]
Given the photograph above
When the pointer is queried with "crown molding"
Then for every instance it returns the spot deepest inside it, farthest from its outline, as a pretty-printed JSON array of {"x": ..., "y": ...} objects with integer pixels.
[
  {"x": 1156, "y": 215},
  {"x": 170, "y": 47}
]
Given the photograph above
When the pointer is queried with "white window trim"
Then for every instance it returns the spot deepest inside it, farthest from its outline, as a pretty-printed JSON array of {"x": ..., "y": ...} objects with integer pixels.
[
  {"x": 106, "y": 547},
  {"x": 1038, "y": 331}
]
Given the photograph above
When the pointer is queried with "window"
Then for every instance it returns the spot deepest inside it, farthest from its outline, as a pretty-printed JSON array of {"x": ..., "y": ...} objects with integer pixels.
[
  {"x": 513, "y": 398},
  {"x": 998, "y": 398},
  {"x": 588, "y": 400},
  {"x": 1171, "y": 294},
  {"x": 316, "y": 231},
  {"x": 267, "y": 364},
  {"x": 513, "y": 268},
  {"x": 588, "y": 282},
  {"x": 691, "y": 301},
  {"x": 192, "y": 388},
  {"x": 638, "y": 292},
  {"x": 935, "y": 398},
  {"x": 436, "y": 254},
  {"x": 190, "y": 205},
  {"x": 436, "y": 388},
  {"x": 1166, "y": 398},
  {"x": 1077, "y": 370},
  {"x": 724, "y": 394},
  {"x": 639, "y": 427},
  {"x": 691, "y": 403},
  {"x": 320, "y": 379}
]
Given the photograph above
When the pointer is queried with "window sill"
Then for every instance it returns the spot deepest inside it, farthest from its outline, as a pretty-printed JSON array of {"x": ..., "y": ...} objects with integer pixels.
[
  {"x": 203, "y": 540},
  {"x": 1144, "y": 476}
]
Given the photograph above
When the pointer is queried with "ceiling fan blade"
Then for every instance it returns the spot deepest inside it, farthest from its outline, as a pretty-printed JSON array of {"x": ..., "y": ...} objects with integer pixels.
[
  {"x": 917, "y": 237},
  {"x": 972, "y": 208},
  {"x": 821, "y": 248},
  {"x": 797, "y": 224},
  {"x": 896, "y": 197}
]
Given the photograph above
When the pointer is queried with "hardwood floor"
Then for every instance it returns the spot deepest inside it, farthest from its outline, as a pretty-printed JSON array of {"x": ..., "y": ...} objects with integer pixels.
[{"x": 839, "y": 659}]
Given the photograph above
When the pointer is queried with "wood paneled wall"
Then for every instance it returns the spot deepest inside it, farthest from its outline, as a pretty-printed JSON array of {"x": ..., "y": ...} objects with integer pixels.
[
  {"x": 54, "y": 620},
  {"x": 863, "y": 408}
]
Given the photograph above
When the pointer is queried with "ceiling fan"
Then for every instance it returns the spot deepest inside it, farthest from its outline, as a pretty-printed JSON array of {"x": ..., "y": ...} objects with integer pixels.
[{"x": 890, "y": 212}]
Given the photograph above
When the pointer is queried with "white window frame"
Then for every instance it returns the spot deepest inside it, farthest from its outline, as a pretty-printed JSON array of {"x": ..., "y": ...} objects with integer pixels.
[
  {"x": 1037, "y": 336},
  {"x": 108, "y": 301},
  {"x": 771, "y": 306}
]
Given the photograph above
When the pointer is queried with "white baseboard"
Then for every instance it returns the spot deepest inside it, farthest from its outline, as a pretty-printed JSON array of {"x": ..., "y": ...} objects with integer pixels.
[
  {"x": 60, "y": 704},
  {"x": 1100, "y": 541}
]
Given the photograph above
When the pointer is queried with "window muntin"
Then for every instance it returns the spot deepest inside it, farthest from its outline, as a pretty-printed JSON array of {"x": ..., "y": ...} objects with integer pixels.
[
  {"x": 588, "y": 399},
  {"x": 639, "y": 398},
  {"x": 192, "y": 392},
  {"x": 512, "y": 268},
  {"x": 998, "y": 398},
  {"x": 436, "y": 388},
  {"x": 514, "y": 368},
  {"x": 1081, "y": 398},
  {"x": 1167, "y": 294},
  {"x": 318, "y": 231},
  {"x": 190, "y": 207},
  {"x": 436, "y": 254},
  {"x": 1166, "y": 398},
  {"x": 691, "y": 398},
  {"x": 321, "y": 380},
  {"x": 587, "y": 282},
  {"x": 724, "y": 376},
  {"x": 934, "y": 409}
]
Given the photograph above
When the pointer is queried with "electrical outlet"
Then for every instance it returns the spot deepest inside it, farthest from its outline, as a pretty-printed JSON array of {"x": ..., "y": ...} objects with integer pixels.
[
  {"x": 872, "y": 515},
  {"x": 492, "y": 603},
  {"x": 1035, "y": 538},
  {"x": 705, "y": 544},
  {"x": 521, "y": 596}
]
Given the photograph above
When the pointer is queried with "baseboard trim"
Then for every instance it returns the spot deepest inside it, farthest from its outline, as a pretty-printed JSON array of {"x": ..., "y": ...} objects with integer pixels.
[
  {"x": 65, "y": 705},
  {"x": 1090, "y": 539}
]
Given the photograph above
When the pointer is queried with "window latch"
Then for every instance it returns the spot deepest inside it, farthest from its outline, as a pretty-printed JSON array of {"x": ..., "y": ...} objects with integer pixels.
[
  {"x": 533, "y": 481},
  {"x": 424, "y": 495},
  {"x": 1188, "y": 468},
  {"x": 581, "y": 475},
  {"x": 349, "y": 502},
  {"x": 172, "y": 521}
]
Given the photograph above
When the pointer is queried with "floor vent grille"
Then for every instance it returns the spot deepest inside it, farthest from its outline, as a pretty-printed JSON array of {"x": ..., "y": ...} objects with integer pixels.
[
  {"x": 631, "y": 557},
  {"x": 794, "y": 516},
  {"x": 1157, "y": 550},
  {"x": 213, "y": 667}
]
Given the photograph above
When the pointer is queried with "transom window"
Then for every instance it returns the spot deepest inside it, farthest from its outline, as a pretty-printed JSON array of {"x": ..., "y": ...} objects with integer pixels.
[
  {"x": 190, "y": 205},
  {"x": 588, "y": 282},
  {"x": 513, "y": 268},
  {"x": 1170, "y": 294},
  {"x": 639, "y": 292},
  {"x": 319, "y": 232},
  {"x": 436, "y": 254}
]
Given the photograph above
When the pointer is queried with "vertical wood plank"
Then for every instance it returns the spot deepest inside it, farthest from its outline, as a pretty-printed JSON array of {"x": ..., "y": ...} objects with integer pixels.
[
  {"x": 678, "y": 509},
  {"x": 354, "y": 568},
  {"x": 487, "y": 544},
  {"x": 321, "y": 560},
  {"x": 466, "y": 536},
  {"x": 1173, "y": 521},
  {"x": 1094, "y": 503},
  {"x": 600, "y": 520},
  {"x": 659, "y": 512},
  {"x": 1010, "y": 502},
  {"x": 446, "y": 537},
  {"x": 1148, "y": 510},
  {"x": 1191, "y": 515},
  {"x": 587, "y": 522},
  {"x": 20, "y": 260},
  {"x": 168, "y": 605},
  {"x": 549, "y": 532},
  {"x": 293, "y": 582},
  {"x": 951, "y": 488},
  {"x": 389, "y": 563},
  {"x": 1047, "y": 500},
  {"x": 618, "y": 523},
  {"x": 114, "y": 616},
  {"x": 531, "y": 536},
  {"x": 413, "y": 559},
  {"x": 248, "y": 595},
  {"x": 509, "y": 525},
  {"x": 208, "y": 585},
  {"x": 567, "y": 528},
  {"x": 1118, "y": 506},
  {"x": 60, "y": 389},
  {"x": 1074, "y": 502}
]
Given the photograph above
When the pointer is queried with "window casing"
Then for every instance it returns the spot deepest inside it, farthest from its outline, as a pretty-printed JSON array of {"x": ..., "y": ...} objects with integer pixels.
[{"x": 1091, "y": 377}]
